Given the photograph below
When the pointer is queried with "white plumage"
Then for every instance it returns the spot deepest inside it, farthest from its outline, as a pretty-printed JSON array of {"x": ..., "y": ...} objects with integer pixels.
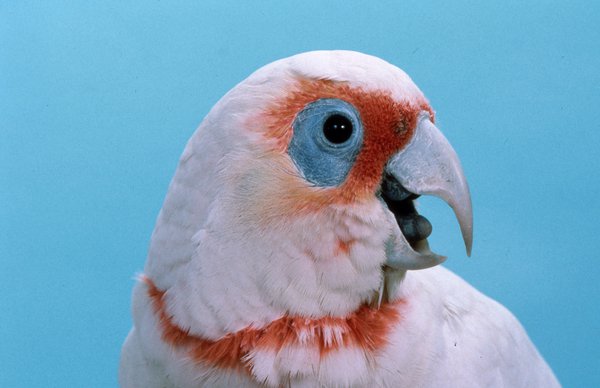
[{"x": 246, "y": 239}]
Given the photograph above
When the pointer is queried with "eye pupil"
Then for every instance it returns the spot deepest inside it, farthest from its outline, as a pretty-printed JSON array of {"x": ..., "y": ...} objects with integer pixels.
[{"x": 337, "y": 129}]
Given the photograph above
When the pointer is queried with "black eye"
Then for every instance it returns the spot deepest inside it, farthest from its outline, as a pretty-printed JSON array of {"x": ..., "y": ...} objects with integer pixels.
[{"x": 337, "y": 129}]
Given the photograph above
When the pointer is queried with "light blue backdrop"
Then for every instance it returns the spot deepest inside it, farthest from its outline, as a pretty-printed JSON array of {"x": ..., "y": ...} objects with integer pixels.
[{"x": 97, "y": 100}]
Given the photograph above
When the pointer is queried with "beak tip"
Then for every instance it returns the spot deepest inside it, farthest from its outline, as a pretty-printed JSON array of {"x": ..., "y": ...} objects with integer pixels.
[{"x": 469, "y": 243}]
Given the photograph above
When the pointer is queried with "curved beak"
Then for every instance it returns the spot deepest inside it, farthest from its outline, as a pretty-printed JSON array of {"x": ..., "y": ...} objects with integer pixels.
[{"x": 428, "y": 165}]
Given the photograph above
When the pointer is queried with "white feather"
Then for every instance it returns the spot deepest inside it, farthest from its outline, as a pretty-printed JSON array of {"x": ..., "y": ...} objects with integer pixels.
[{"x": 228, "y": 260}]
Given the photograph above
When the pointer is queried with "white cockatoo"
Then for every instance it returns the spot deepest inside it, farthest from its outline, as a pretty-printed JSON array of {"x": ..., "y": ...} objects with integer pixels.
[{"x": 288, "y": 251}]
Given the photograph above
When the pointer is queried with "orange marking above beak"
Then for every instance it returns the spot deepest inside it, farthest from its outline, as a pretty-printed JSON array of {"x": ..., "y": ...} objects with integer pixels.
[{"x": 389, "y": 124}]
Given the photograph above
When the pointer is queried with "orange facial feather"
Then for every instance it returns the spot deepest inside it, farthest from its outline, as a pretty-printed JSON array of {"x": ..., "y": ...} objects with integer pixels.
[
  {"x": 388, "y": 126},
  {"x": 343, "y": 247}
]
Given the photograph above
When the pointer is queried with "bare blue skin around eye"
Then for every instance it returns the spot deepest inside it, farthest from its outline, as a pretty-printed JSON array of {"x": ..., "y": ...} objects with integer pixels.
[{"x": 321, "y": 162}]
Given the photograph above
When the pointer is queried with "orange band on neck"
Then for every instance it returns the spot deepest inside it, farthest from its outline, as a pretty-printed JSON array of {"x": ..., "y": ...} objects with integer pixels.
[{"x": 365, "y": 328}]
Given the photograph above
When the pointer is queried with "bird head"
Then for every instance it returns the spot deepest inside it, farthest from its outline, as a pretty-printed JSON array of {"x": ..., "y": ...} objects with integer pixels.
[{"x": 296, "y": 193}]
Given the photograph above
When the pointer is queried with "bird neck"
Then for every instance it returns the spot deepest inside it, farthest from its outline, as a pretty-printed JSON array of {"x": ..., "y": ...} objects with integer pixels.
[
  {"x": 232, "y": 281},
  {"x": 365, "y": 330}
]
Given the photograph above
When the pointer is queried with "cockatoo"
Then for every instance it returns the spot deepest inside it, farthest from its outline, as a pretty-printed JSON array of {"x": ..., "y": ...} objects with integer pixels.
[{"x": 289, "y": 252}]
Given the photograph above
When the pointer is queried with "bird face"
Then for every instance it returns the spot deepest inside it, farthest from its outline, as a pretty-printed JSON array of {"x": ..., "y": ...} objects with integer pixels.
[
  {"x": 351, "y": 142},
  {"x": 297, "y": 191}
]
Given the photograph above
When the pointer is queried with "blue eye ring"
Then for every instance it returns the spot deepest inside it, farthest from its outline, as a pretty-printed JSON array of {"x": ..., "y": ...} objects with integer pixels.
[{"x": 324, "y": 155}]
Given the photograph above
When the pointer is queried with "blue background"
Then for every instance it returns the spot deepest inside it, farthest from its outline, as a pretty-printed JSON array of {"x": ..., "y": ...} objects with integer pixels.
[{"x": 97, "y": 100}]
